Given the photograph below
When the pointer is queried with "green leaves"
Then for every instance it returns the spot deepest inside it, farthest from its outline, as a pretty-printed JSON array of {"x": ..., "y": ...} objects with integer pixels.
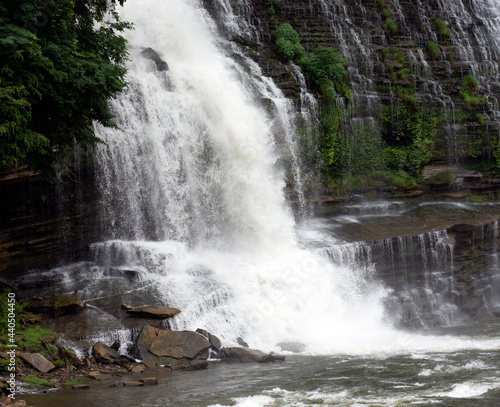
[
  {"x": 59, "y": 65},
  {"x": 288, "y": 43}
]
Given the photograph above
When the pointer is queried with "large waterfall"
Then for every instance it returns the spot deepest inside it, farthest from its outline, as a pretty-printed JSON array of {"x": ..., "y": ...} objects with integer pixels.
[
  {"x": 193, "y": 203},
  {"x": 193, "y": 195}
]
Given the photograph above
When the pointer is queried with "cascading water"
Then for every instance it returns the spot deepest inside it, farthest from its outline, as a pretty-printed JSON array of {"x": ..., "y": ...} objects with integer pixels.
[{"x": 195, "y": 170}]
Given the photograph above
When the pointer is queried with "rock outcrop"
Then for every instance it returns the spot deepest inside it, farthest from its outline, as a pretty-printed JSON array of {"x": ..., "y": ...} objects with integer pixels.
[
  {"x": 171, "y": 347},
  {"x": 153, "y": 311}
]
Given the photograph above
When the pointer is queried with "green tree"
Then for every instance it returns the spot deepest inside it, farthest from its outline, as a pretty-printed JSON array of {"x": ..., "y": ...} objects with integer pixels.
[{"x": 60, "y": 63}]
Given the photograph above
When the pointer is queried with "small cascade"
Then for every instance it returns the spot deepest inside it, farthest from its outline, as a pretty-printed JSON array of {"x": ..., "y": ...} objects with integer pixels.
[
  {"x": 487, "y": 281},
  {"x": 420, "y": 270}
]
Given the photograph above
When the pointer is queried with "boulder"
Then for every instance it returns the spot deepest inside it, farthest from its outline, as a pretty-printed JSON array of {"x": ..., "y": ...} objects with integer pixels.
[
  {"x": 214, "y": 341},
  {"x": 38, "y": 362},
  {"x": 244, "y": 355},
  {"x": 104, "y": 354},
  {"x": 149, "y": 381},
  {"x": 153, "y": 311},
  {"x": 170, "y": 346},
  {"x": 151, "y": 54},
  {"x": 66, "y": 305}
]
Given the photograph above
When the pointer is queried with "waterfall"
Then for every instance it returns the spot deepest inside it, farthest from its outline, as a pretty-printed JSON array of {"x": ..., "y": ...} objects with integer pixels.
[{"x": 192, "y": 196}]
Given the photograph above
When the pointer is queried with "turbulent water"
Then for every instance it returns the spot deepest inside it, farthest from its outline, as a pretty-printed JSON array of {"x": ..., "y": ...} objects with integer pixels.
[{"x": 195, "y": 218}]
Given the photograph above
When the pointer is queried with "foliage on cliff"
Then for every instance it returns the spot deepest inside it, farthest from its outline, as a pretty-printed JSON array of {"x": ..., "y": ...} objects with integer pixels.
[{"x": 60, "y": 62}]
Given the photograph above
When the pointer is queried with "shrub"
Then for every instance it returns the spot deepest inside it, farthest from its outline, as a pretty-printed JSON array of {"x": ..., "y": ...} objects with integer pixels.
[
  {"x": 471, "y": 100},
  {"x": 443, "y": 31},
  {"x": 325, "y": 64},
  {"x": 387, "y": 12},
  {"x": 433, "y": 50},
  {"x": 288, "y": 43},
  {"x": 390, "y": 25},
  {"x": 470, "y": 84}
]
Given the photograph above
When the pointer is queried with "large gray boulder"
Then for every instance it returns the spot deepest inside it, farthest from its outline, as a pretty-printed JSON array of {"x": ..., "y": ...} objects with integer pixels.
[
  {"x": 171, "y": 346},
  {"x": 38, "y": 362}
]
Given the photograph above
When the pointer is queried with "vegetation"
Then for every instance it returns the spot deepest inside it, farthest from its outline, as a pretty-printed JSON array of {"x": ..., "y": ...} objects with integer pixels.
[
  {"x": 443, "y": 31},
  {"x": 33, "y": 381},
  {"x": 390, "y": 25},
  {"x": 288, "y": 43},
  {"x": 60, "y": 63},
  {"x": 433, "y": 49},
  {"x": 271, "y": 6},
  {"x": 445, "y": 177}
]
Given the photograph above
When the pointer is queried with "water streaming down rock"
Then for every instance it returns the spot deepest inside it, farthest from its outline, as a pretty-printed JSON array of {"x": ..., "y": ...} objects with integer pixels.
[{"x": 196, "y": 169}]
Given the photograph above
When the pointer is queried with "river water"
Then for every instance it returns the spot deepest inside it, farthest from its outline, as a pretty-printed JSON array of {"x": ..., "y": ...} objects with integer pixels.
[{"x": 466, "y": 377}]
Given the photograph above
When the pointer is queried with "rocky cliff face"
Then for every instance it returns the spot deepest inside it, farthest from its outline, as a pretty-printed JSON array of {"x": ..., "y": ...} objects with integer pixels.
[
  {"x": 43, "y": 224},
  {"x": 442, "y": 55}
]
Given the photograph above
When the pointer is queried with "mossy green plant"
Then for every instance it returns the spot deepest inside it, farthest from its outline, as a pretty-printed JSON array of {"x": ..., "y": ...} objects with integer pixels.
[
  {"x": 434, "y": 50},
  {"x": 390, "y": 25},
  {"x": 34, "y": 382}
]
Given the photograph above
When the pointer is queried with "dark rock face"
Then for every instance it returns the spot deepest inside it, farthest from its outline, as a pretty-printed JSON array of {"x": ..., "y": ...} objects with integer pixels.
[
  {"x": 151, "y": 54},
  {"x": 42, "y": 224}
]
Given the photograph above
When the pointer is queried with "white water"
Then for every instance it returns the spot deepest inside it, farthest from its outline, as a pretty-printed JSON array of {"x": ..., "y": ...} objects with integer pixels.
[{"x": 192, "y": 197}]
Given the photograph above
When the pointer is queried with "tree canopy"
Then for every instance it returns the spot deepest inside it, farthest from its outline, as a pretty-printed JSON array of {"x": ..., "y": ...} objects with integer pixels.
[{"x": 60, "y": 63}]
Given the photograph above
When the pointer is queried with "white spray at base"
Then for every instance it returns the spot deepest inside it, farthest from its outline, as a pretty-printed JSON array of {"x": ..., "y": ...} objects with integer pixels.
[{"x": 192, "y": 195}]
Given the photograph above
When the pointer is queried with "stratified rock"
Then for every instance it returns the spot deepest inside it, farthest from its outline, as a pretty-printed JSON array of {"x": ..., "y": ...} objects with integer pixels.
[
  {"x": 214, "y": 341},
  {"x": 151, "y": 54},
  {"x": 153, "y": 311},
  {"x": 65, "y": 305},
  {"x": 104, "y": 354},
  {"x": 38, "y": 362}
]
